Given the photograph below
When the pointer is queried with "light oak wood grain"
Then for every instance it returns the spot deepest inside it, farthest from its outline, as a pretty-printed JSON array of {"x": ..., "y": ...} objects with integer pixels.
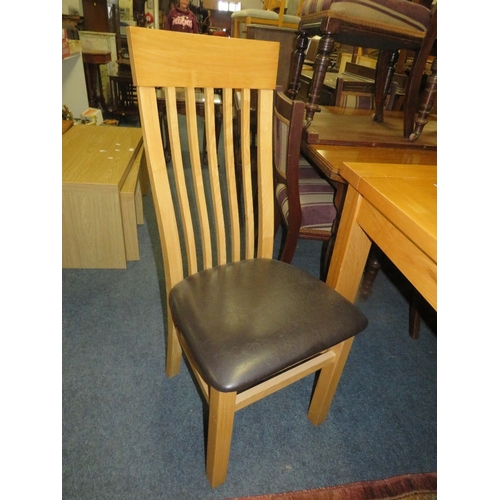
[
  {"x": 96, "y": 163},
  {"x": 394, "y": 206}
]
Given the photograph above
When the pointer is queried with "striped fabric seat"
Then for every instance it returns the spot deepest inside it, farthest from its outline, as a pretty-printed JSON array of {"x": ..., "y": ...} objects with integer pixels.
[
  {"x": 382, "y": 15},
  {"x": 316, "y": 201}
]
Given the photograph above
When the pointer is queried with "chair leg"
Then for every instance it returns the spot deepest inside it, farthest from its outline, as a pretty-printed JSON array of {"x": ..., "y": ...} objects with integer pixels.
[
  {"x": 426, "y": 103},
  {"x": 326, "y": 256},
  {"x": 220, "y": 430},
  {"x": 372, "y": 268},
  {"x": 416, "y": 301},
  {"x": 327, "y": 383},
  {"x": 173, "y": 355},
  {"x": 291, "y": 239}
]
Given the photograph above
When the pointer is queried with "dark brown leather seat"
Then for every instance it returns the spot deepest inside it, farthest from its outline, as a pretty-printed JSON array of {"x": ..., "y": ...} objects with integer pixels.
[{"x": 246, "y": 321}]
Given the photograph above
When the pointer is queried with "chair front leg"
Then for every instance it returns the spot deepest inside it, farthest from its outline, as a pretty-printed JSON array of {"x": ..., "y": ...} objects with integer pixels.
[
  {"x": 386, "y": 66},
  {"x": 326, "y": 386},
  {"x": 321, "y": 62},
  {"x": 296, "y": 63},
  {"x": 426, "y": 103},
  {"x": 220, "y": 429}
]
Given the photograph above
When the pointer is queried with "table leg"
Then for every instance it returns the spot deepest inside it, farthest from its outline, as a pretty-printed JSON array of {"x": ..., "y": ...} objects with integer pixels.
[
  {"x": 348, "y": 261},
  {"x": 351, "y": 250}
]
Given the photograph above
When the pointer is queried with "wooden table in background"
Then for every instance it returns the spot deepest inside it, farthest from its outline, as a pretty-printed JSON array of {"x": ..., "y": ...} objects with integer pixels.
[{"x": 102, "y": 187}]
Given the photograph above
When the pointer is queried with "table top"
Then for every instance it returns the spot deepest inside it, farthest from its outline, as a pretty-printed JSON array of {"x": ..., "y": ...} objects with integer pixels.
[
  {"x": 330, "y": 158},
  {"x": 341, "y": 126},
  {"x": 99, "y": 154},
  {"x": 404, "y": 194}
]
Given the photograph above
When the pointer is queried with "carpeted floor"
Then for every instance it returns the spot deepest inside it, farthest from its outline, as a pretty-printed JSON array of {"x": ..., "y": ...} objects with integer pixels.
[{"x": 129, "y": 432}]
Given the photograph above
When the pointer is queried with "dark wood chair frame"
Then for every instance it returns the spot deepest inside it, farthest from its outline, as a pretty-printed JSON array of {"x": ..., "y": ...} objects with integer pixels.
[{"x": 332, "y": 30}]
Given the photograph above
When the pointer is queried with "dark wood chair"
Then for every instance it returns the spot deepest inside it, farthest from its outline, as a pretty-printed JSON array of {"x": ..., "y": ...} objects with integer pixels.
[
  {"x": 248, "y": 325},
  {"x": 386, "y": 25},
  {"x": 304, "y": 198}
]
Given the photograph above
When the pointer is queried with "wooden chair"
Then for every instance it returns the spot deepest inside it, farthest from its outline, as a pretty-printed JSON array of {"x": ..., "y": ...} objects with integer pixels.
[
  {"x": 385, "y": 25},
  {"x": 271, "y": 14},
  {"x": 248, "y": 325},
  {"x": 304, "y": 199}
]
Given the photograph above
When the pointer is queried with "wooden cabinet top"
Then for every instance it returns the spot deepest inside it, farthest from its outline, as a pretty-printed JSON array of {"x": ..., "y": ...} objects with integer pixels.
[{"x": 99, "y": 154}]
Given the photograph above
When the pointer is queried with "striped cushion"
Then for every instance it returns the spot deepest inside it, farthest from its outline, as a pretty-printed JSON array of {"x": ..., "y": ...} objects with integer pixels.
[
  {"x": 316, "y": 201},
  {"x": 388, "y": 15}
]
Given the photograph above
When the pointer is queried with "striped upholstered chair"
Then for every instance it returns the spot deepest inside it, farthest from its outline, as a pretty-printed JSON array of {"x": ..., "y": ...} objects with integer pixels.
[{"x": 305, "y": 201}]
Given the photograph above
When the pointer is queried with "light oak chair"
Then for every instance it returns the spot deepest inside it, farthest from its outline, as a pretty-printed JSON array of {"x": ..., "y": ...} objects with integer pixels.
[
  {"x": 271, "y": 14},
  {"x": 247, "y": 324}
]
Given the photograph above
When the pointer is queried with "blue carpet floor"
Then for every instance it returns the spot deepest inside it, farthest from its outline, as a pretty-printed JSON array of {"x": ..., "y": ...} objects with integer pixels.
[{"x": 131, "y": 433}]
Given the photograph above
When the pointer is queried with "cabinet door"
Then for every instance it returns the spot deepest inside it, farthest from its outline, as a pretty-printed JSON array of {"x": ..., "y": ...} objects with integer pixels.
[{"x": 101, "y": 15}]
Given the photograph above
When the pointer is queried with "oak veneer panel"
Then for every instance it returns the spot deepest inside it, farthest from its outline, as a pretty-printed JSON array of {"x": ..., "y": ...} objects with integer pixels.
[
  {"x": 409, "y": 200},
  {"x": 96, "y": 161},
  {"x": 396, "y": 207}
]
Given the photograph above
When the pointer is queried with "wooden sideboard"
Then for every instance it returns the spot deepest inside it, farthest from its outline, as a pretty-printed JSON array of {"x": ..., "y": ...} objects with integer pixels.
[{"x": 103, "y": 181}]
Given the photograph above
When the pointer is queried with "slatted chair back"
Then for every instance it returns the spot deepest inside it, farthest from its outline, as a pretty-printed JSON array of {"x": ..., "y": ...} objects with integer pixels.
[{"x": 192, "y": 237}]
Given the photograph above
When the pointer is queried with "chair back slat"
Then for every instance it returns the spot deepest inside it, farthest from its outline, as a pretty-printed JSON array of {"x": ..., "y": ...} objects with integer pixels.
[
  {"x": 164, "y": 205},
  {"x": 246, "y": 174},
  {"x": 215, "y": 181},
  {"x": 232, "y": 188},
  {"x": 265, "y": 175},
  {"x": 219, "y": 210},
  {"x": 178, "y": 168}
]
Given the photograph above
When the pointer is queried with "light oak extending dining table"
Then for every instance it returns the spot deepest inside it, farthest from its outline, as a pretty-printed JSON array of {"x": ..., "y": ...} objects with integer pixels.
[{"x": 395, "y": 207}]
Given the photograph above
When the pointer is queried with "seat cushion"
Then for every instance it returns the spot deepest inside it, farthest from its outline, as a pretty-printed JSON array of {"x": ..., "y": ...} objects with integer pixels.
[
  {"x": 255, "y": 13},
  {"x": 399, "y": 15},
  {"x": 246, "y": 321},
  {"x": 316, "y": 201},
  {"x": 288, "y": 18}
]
